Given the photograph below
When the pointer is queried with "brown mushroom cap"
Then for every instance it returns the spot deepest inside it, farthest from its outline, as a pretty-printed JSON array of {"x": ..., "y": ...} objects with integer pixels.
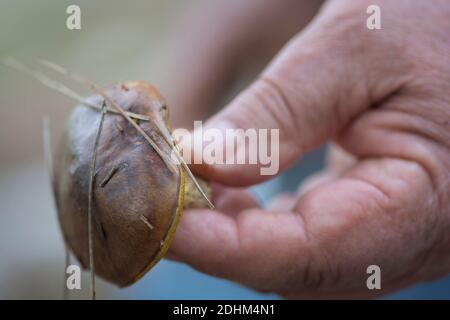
[{"x": 137, "y": 198}]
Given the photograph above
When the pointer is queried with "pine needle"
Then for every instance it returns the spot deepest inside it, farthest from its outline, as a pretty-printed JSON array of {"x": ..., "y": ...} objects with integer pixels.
[
  {"x": 90, "y": 200},
  {"x": 96, "y": 89},
  {"x": 48, "y": 156},
  {"x": 169, "y": 141},
  {"x": 59, "y": 87}
]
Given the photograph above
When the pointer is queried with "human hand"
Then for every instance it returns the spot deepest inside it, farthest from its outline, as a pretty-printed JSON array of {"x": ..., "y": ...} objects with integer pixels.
[{"x": 383, "y": 96}]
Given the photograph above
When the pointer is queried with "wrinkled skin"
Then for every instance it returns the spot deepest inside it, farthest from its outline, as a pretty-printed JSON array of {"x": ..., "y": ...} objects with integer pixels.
[{"x": 383, "y": 98}]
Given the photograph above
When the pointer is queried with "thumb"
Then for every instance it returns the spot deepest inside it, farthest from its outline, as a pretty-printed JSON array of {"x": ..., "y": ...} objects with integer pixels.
[{"x": 311, "y": 90}]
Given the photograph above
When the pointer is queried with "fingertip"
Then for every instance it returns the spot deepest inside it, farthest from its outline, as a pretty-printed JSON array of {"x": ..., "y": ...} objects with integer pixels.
[{"x": 205, "y": 239}]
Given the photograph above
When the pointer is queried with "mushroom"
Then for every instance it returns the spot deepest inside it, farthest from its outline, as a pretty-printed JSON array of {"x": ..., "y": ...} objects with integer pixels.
[{"x": 138, "y": 192}]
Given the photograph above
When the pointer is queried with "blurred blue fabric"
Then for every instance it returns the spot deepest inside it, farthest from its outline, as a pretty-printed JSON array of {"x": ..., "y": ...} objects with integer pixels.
[{"x": 170, "y": 280}]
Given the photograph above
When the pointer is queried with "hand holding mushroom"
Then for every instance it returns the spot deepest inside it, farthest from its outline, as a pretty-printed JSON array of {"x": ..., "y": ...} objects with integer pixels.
[{"x": 382, "y": 97}]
